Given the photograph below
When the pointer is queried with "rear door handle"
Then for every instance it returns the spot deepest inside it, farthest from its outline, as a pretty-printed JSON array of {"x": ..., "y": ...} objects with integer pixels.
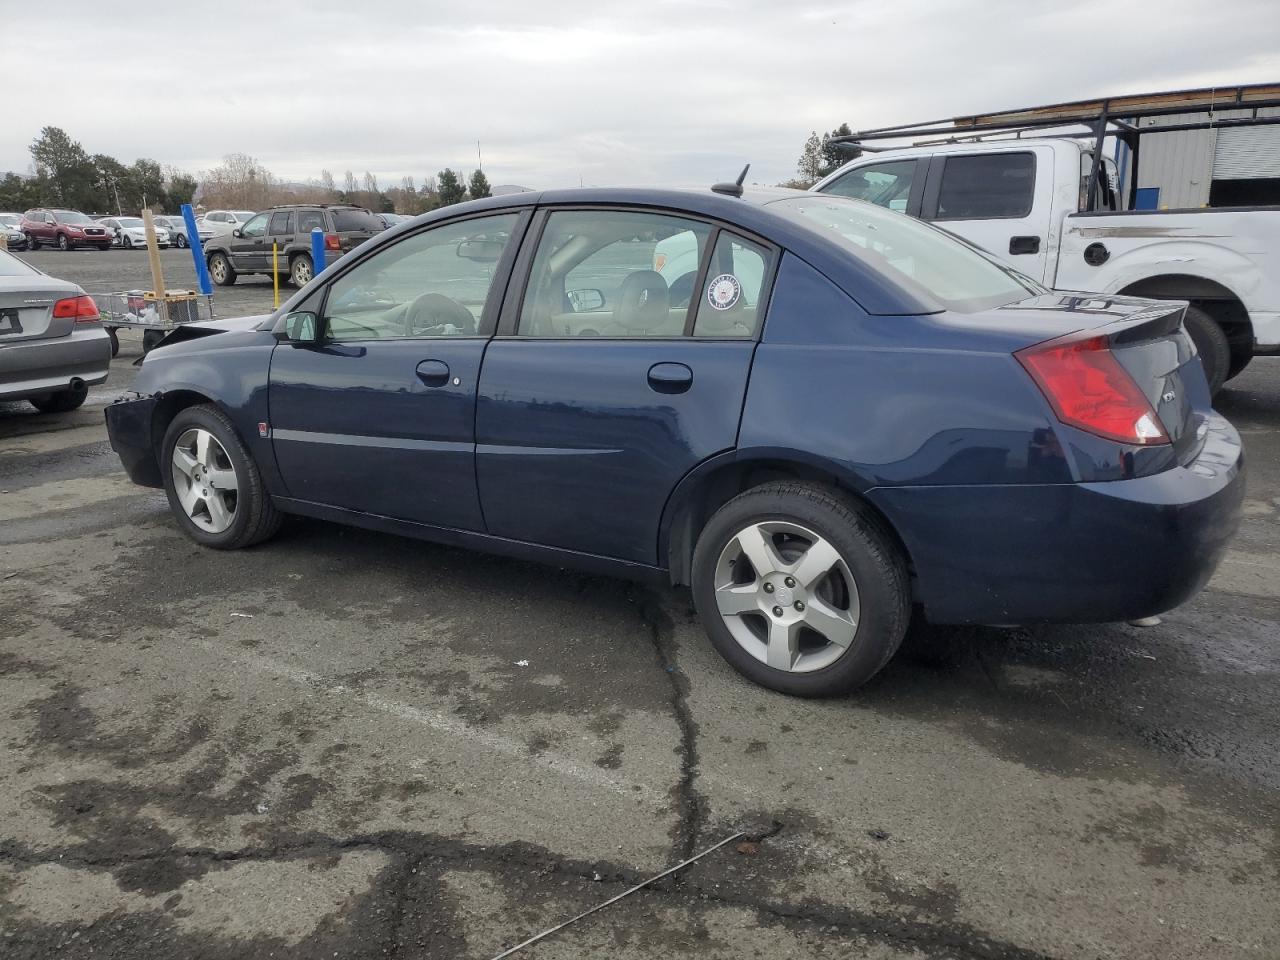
[
  {"x": 1019, "y": 245},
  {"x": 670, "y": 377},
  {"x": 434, "y": 373}
]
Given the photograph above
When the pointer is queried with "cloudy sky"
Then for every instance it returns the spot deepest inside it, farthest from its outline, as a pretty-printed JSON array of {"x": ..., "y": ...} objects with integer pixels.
[{"x": 566, "y": 91}]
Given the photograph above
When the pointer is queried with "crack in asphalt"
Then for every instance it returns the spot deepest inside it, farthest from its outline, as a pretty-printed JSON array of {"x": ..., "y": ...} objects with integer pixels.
[
  {"x": 411, "y": 853},
  {"x": 690, "y": 805}
]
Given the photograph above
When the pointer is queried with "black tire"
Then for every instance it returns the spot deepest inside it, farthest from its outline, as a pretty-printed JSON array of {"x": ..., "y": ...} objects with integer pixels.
[
  {"x": 32, "y": 242},
  {"x": 63, "y": 243},
  {"x": 867, "y": 548},
  {"x": 181, "y": 242},
  {"x": 115, "y": 341},
  {"x": 126, "y": 242},
  {"x": 1211, "y": 344},
  {"x": 1241, "y": 355},
  {"x": 256, "y": 518},
  {"x": 300, "y": 270},
  {"x": 63, "y": 401},
  {"x": 220, "y": 267}
]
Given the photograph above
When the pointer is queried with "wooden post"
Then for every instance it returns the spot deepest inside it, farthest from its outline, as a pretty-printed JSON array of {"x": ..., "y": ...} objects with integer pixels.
[{"x": 153, "y": 252}]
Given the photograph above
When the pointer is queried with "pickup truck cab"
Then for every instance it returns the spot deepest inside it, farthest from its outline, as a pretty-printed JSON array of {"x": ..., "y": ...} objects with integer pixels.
[{"x": 1027, "y": 201}]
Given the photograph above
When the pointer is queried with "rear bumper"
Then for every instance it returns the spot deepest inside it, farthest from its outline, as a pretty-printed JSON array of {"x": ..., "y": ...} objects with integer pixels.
[
  {"x": 129, "y": 430},
  {"x": 36, "y": 367},
  {"x": 1072, "y": 553}
]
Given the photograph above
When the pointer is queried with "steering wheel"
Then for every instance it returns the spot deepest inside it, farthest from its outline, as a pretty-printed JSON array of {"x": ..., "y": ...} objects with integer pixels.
[{"x": 434, "y": 314}]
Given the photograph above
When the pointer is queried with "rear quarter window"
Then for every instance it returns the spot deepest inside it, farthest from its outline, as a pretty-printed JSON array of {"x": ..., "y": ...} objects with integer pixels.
[
  {"x": 355, "y": 220},
  {"x": 989, "y": 186}
]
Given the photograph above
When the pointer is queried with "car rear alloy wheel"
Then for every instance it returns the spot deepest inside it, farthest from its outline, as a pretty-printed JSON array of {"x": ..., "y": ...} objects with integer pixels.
[
  {"x": 224, "y": 275},
  {"x": 181, "y": 242},
  {"x": 213, "y": 484},
  {"x": 801, "y": 588},
  {"x": 300, "y": 271}
]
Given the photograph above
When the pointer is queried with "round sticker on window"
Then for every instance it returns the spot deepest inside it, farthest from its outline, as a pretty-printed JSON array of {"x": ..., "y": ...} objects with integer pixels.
[{"x": 723, "y": 292}]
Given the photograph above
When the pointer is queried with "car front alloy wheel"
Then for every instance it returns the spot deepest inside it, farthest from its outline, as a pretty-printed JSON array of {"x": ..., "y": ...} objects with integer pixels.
[{"x": 205, "y": 480}]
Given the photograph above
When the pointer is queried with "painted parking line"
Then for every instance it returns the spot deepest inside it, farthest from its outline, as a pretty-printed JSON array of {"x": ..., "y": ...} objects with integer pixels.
[{"x": 1250, "y": 574}]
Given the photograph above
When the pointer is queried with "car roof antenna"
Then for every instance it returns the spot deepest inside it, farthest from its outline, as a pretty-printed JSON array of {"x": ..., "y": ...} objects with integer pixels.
[{"x": 732, "y": 189}]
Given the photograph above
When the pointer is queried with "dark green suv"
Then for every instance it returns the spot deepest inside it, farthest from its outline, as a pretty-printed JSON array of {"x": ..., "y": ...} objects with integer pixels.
[{"x": 249, "y": 249}]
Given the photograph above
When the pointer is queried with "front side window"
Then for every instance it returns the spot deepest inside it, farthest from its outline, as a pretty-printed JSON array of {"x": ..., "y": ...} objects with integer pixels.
[
  {"x": 431, "y": 284},
  {"x": 256, "y": 227},
  {"x": 884, "y": 184},
  {"x": 929, "y": 262},
  {"x": 989, "y": 186},
  {"x": 594, "y": 276}
]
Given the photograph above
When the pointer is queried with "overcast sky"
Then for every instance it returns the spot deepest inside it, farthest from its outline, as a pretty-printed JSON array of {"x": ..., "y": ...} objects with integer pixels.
[{"x": 562, "y": 91}]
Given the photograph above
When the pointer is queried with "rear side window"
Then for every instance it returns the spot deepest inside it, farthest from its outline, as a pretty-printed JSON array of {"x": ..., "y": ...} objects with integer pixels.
[
  {"x": 344, "y": 220},
  {"x": 309, "y": 220},
  {"x": 730, "y": 301},
  {"x": 884, "y": 184},
  {"x": 991, "y": 186},
  {"x": 281, "y": 223}
]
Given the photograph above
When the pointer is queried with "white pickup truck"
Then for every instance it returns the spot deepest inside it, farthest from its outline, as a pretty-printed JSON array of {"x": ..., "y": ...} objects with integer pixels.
[{"x": 1026, "y": 201}]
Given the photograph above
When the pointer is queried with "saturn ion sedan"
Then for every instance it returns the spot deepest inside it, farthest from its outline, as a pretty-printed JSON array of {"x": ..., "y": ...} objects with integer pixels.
[{"x": 841, "y": 418}]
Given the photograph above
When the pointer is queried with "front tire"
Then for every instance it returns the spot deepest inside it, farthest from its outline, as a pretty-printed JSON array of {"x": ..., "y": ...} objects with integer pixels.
[
  {"x": 214, "y": 487},
  {"x": 126, "y": 242},
  {"x": 63, "y": 243},
  {"x": 181, "y": 242},
  {"x": 63, "y": 401},
  {"x": 32, "y": 242},
  {"x": 800, "y": 589},
  {"x": 1211, "y": 343},
  {"x": 300, "y": 270},
  {"x": 224, "y": 275}
]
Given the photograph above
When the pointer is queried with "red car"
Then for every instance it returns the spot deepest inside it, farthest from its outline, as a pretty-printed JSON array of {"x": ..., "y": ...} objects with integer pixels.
[{"x": 65, "y": 229}]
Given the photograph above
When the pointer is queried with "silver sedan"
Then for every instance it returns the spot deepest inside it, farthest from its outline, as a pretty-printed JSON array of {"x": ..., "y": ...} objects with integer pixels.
[{"x": 52, "y": 342}]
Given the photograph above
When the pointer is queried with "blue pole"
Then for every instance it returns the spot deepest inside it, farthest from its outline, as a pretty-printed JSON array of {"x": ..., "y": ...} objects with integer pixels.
[
  {"x": 197, "y": 250},
  {"x": 318, "y": 262}
]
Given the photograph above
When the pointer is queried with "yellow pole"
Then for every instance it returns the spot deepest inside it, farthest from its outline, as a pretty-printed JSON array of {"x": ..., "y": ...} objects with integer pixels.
[{"x": 275, "y": 271}]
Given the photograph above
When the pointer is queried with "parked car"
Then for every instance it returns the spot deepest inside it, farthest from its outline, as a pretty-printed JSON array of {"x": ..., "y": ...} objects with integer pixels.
[
  {"x": 129, "y": 233},
  {"x": 214, "y": 223},
  {"x": 177, "y": 228},
  {"x": 392, "y": 219},
  {"x": 11, "y": 226},
  {"x": 247, "y": 249},
  {"x": 52, "y": 343},
  {"x": 888, "y": 419},
  {"x": 65, "y": 229}
]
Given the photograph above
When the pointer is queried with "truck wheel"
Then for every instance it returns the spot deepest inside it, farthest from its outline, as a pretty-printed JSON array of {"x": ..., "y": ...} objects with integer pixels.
[
  {"x": 63, "y": 243},
  {"x": 224, "y": 275},
  {"x": 800, "y": 589},
  {"x": 1211, "y": 344}
]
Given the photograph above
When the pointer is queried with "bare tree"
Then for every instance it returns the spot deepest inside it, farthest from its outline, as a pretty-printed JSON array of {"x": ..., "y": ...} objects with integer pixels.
[
  {"x": 349, "y": 186},
  {"x": 239, "y": 182},
  {"x": 326, "y": 184}
]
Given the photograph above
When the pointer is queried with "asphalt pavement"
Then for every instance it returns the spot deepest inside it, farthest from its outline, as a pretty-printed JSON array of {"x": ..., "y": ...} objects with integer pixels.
[{"x": 347, "y": 744}]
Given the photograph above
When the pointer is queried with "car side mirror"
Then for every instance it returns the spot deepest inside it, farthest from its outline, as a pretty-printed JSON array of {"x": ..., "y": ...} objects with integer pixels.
[
  {"x": 304, "y": 328},
  {"x": 236, "y": 232},
  {"x": 481, "y": 251},
  {"x": 586, "y": 299}
]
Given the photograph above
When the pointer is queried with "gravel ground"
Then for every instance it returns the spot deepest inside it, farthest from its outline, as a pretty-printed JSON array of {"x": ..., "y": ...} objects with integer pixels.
[{"x": 330, "y": 746}]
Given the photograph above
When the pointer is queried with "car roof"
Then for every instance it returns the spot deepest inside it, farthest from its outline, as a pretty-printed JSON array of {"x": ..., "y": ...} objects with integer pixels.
[{"x": 874, "y": 290}]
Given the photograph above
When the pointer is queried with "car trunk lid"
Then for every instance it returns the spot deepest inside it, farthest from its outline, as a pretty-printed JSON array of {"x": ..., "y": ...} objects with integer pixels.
[{"x": 26, "y": 308}]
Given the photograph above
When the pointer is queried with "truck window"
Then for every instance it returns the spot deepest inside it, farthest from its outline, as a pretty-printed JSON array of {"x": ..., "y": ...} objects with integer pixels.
[
  {"x": 989, "y": 186},
  {"x": 884, "y": 184}
]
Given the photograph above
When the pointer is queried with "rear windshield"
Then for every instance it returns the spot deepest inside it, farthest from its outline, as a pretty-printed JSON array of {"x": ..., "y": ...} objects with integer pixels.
[
  {"x": 927, "y": 261},
  {"x": 11, "y": 266},
  {"x": 71, "y": 216},
  {"x": 355, "y": 220}
]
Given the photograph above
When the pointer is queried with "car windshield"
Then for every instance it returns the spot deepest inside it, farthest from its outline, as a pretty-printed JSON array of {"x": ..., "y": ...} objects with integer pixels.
[
  {"x": 129, "y": 221},
  {"x": 355, "y": 220},
  {"x": 928, "y": 261},
  {"x": 11, "y": 266},
  {"x": 12, "y": 219},
  {"x": 71, "y": 216}
]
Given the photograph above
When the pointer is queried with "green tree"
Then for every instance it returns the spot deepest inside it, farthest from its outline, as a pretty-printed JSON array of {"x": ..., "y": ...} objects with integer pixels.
[
  {"x": 834, "y": 156},
  {"x": 112, "y": 180},
  {"x": 146, "y": 184},
  {"x": 20, "y": 193},
  {"x": 450, "y": 188},
  {"x": 62, "y": 164},
  {"x": 181, "y": 188},
  {"x": 809, "y": 166},
  {"x": 479, "y": 186}
]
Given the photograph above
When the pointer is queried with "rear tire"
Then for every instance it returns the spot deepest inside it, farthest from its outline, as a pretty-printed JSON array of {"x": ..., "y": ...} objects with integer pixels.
[
  {"x": 63, "y": 401},
  {"x": 874, "y": 606},
  {"x": 220, "y": 269},
  {"x": 181, "y": 242},
  {"x": 253, "y": 516},
  {"x": 115, "y": 341},
  {"x": 1211, "y": 344},
  {"x": 300, "y": 270}
]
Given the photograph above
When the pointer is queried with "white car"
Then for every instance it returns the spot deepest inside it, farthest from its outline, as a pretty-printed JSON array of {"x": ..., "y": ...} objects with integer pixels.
[
  {"x": 130, "y": 233},
  {"x": 10, "y": 224},
  {"x": 215, "y": 223}
]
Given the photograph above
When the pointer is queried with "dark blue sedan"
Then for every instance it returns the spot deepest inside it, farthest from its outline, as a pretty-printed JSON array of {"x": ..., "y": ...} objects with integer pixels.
[{"x": 838, "y": 418}]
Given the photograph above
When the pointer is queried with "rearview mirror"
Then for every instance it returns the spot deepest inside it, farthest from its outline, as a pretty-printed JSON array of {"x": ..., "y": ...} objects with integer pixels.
[
  {"x": 303, "y": 327},
  {"x": 481, "y": 251},
  {"x": 586, "y": 299}
]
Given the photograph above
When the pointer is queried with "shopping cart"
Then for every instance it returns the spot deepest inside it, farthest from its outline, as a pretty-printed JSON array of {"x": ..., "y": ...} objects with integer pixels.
[{"x": 155, "y": 316}]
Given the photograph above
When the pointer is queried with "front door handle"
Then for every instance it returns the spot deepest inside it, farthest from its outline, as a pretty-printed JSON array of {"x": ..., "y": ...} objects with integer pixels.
[
  {"x": 1019, "y": 245},
  {"x": 670, "y": 377},
  {"x": 434, "y": 373}
]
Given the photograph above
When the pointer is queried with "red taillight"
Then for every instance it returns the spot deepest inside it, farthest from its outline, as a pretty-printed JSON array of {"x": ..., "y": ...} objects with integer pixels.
[
  {"x": 1088, "y": 388},
  {"x": 331, "y": 242},
  {"x": 79, "y": 309}
]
